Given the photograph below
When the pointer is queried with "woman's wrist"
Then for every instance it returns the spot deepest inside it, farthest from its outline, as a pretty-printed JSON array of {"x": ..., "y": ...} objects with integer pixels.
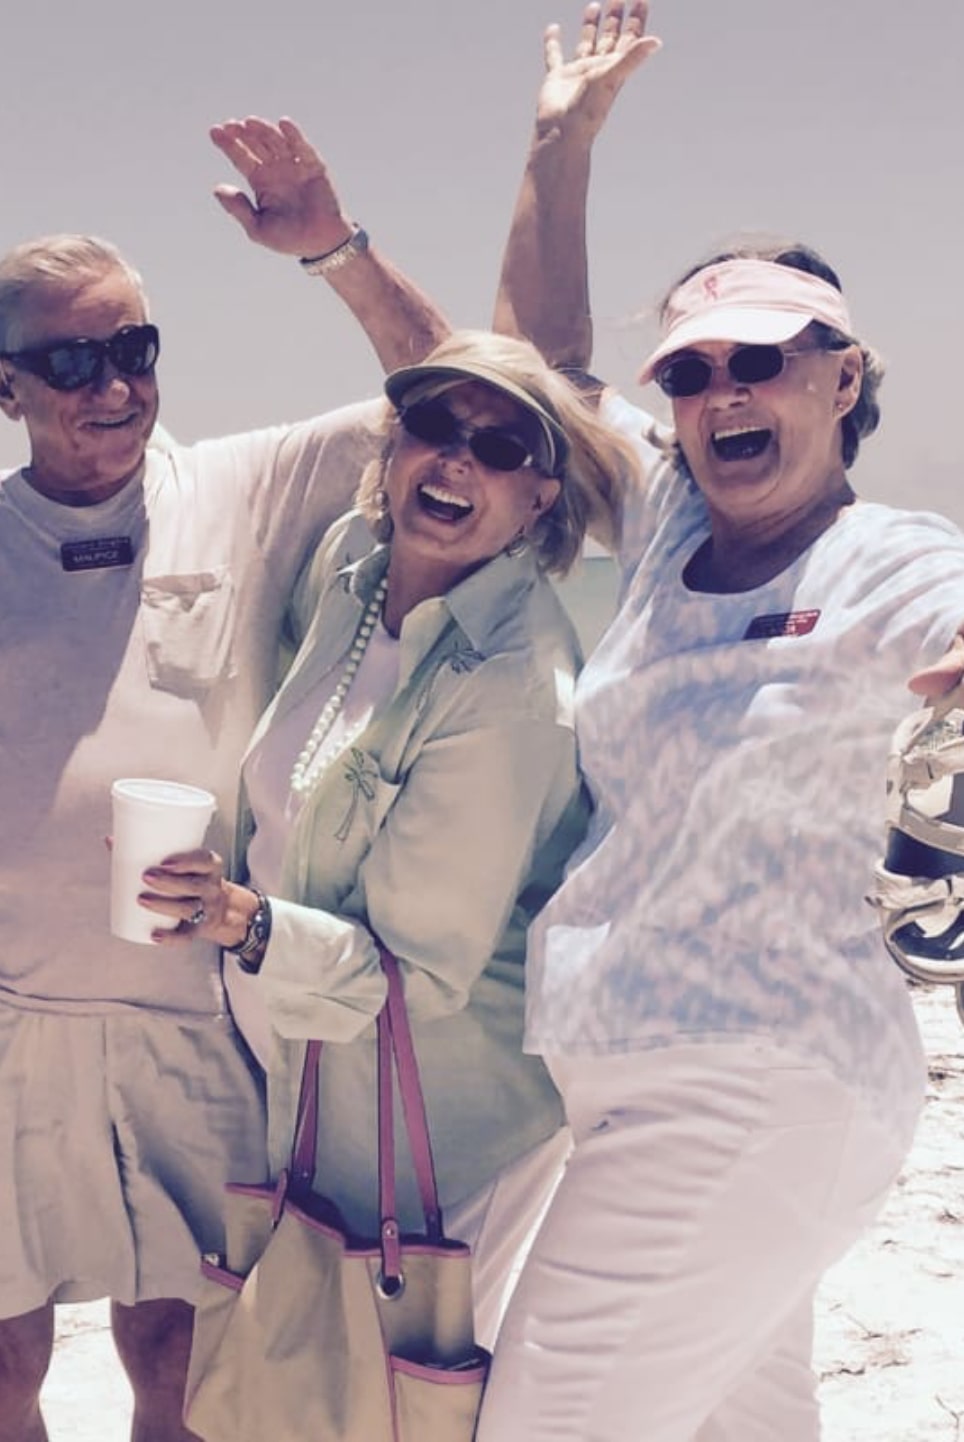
[{"x": 249, "y": 919}]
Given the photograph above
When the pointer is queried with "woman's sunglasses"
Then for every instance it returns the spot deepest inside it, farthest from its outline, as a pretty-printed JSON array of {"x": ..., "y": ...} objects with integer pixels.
[
  {"x": 688, "y": 374},
  {"x": 69, "y": 365},
  {"x": 431, "y": 421}
]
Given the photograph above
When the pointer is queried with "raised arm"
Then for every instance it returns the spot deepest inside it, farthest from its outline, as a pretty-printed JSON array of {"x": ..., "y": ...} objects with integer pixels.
[
  {"x": 544, "y": 286},
  {"x": 293, "y": 208}
]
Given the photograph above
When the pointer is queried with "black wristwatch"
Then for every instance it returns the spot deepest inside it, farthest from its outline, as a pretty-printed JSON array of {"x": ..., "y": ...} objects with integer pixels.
[{"x": 250, "y": 951}]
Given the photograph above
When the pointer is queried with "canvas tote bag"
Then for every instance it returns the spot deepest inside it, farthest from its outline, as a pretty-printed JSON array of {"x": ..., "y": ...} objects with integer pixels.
[{"x": 305, "y": 1333}]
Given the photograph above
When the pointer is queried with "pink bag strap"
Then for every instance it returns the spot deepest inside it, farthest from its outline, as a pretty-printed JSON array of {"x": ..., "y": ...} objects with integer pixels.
[
  {"x": 396, "y": 1024},
  {"x": 305, "y": 1142},
  {"x": 395, "y": 1044}
]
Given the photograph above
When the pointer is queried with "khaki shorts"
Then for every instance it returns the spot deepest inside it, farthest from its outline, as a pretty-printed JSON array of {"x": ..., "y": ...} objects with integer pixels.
[{"x": 117, "y": 1135}]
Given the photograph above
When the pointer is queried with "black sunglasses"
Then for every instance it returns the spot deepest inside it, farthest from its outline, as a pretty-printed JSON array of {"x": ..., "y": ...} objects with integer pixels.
[
  {"x": 688, "y": 374},
  {"x": 431, "y": 421},
  {"x": 69, "y": 365}
]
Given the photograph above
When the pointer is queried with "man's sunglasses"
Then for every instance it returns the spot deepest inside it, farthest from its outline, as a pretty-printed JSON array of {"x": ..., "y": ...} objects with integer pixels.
[
  {"x": 499, "y": 449},
  {"x": 69, "y": 365},
  {"x": 687, "y": 374}
]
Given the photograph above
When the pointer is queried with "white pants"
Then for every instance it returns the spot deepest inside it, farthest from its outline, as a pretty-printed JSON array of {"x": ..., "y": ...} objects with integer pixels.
[
  {"x": 668, "y": 1295},
  {"x": 499, "y": 1222}
]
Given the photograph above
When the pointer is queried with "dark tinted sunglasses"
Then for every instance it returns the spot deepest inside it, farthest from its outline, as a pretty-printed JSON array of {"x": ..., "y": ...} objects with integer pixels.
[
  {"x": 69, "y": 365},
  {"x": 499, "y": 449},
  {"x": 688, "y": 374}
]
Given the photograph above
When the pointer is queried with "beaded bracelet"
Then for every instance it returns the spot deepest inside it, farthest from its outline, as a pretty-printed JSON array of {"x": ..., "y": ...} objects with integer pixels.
[{"x": 250, "y": 951}]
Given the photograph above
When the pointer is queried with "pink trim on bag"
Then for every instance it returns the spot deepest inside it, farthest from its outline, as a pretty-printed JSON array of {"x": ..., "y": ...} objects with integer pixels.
[
  {"x": 441, "y": 1373},
  {"x": 225, "y": 1278},
  {"x": 394, "y": 1045}
]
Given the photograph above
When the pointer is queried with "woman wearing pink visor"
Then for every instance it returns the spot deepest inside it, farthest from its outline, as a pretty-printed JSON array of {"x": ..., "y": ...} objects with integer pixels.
[{"x": 738, "y": 1057}]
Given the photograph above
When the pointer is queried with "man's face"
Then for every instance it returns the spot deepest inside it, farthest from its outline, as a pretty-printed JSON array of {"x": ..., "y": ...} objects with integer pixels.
[{"x": 84, "y": 444}]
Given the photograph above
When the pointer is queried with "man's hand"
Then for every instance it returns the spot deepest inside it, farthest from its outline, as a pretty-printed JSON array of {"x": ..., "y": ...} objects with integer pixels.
[
  {"x": 580, "y": 92},
  {"x": 294, "y": 208}
]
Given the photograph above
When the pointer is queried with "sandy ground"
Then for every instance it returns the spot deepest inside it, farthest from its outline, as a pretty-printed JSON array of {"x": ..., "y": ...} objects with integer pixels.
[{"x": 890, "y": 1330}]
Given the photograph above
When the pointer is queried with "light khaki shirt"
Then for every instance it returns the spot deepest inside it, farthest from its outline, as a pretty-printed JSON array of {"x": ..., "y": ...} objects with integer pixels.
[{"x": 443, "y": 828}]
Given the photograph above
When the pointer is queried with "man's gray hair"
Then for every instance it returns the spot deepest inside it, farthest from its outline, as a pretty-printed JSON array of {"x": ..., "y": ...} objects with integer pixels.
[{"x": 51, "y": 263}]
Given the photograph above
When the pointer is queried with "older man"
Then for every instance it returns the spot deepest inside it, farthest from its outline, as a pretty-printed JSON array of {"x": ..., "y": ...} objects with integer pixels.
[{"x": 142, "y": 593}]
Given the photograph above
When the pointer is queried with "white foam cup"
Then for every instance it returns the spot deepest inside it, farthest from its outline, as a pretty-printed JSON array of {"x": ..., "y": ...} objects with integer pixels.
[{"x": 152, "y": 819}]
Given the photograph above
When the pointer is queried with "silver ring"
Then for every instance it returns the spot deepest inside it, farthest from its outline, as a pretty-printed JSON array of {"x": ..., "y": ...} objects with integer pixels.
[{"x": 199, "y": 915}]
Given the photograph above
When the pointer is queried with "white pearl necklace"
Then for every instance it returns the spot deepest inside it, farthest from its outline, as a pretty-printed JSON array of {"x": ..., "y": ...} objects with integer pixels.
[{"x": 311, "y": 763}]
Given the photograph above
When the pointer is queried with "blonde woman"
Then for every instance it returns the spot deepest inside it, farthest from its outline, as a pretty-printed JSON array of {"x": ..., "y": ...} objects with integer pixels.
[{"x": 416, "y": 778}]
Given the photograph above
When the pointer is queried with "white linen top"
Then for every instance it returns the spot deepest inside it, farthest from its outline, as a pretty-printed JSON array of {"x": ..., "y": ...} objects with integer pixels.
[{"x": 735, "y": 748}]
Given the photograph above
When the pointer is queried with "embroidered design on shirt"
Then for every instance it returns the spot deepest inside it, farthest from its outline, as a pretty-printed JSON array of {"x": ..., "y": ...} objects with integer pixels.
[
  {"x": 461, "y": 658},
  {"x": 465, "y": 658},
  {"x": 781, "y": 623},
  {"x": 359, "y": 773},
  {"x": 97, "y": 554}
]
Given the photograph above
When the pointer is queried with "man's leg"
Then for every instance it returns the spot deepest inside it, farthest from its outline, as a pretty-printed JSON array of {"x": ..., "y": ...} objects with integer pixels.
[
  {"x": 153, "y": 1341},
  {"x": 26, "y": 1344},
  {"x": 187, "y": 1116}
]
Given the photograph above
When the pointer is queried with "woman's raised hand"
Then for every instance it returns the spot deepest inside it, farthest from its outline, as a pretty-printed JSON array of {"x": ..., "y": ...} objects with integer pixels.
[
  {"x": 612, "y": 44},
  {"x": 293, "y": 206}
]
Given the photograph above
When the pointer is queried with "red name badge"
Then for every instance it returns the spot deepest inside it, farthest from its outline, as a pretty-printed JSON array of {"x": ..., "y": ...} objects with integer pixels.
[{"x": 782, "y": 623}]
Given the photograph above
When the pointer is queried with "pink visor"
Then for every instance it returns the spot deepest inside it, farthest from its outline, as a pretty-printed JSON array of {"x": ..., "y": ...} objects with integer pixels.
[{"x": 755, "y": 302}]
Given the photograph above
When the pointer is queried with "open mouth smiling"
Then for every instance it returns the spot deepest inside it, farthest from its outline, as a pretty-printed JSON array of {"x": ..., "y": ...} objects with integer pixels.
[
  {"x": 445, "y": 505},
  {"x": 740, "y": 443},
  {"x": 110, "y": 423}
]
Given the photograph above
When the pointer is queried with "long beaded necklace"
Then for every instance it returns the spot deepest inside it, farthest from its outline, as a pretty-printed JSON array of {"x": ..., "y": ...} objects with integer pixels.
[{"x": 310, "y": 764}]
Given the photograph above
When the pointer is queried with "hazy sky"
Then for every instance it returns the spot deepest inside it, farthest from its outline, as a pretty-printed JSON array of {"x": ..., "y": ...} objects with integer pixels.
[{"x": 838, "y": 121}]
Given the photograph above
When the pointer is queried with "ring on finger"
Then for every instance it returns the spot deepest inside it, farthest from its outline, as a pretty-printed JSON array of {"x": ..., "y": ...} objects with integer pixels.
[{"x": 198, "y": 915}]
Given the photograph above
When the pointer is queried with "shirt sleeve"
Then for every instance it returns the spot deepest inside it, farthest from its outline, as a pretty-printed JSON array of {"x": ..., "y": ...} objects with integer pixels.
[
  {"x": 297, "y": 479},
  {"x": 656, "y": 488}
]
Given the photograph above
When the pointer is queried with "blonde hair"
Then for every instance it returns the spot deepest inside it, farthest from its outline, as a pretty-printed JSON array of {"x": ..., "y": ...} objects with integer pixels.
[{"x": 593, "y": 478}]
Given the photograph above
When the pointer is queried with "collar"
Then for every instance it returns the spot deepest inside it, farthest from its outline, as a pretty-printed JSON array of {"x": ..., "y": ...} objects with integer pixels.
[{"x": 478, "y": 605}]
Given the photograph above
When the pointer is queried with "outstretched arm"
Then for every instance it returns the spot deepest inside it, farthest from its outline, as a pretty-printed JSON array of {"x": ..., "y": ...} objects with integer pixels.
[
  {"x": 544, "y": 287},
  {"x": 946, "y": 673},
  {"x": 293, "y": 208}
]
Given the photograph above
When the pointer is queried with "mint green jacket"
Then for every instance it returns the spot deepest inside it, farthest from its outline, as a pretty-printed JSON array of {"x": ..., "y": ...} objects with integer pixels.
[{"x": 443, "y": 828}]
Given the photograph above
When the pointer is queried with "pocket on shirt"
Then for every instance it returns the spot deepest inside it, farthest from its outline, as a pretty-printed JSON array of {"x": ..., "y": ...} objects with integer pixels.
[
  {"x": 336, "y": 827},
  {"x": 189, "y": 630},
  {"x": 363, "y": 800}
]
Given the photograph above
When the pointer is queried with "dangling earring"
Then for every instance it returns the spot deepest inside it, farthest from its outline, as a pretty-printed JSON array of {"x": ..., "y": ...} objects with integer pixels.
[
  {"x": 382, "y": 526},
  {"x": 518, "y": 545}
]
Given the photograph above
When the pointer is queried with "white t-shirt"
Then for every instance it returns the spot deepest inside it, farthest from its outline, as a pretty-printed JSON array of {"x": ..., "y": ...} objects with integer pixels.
[
  {"x": 735, "y": 746},
  {"x": 156, "y": 667}
]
